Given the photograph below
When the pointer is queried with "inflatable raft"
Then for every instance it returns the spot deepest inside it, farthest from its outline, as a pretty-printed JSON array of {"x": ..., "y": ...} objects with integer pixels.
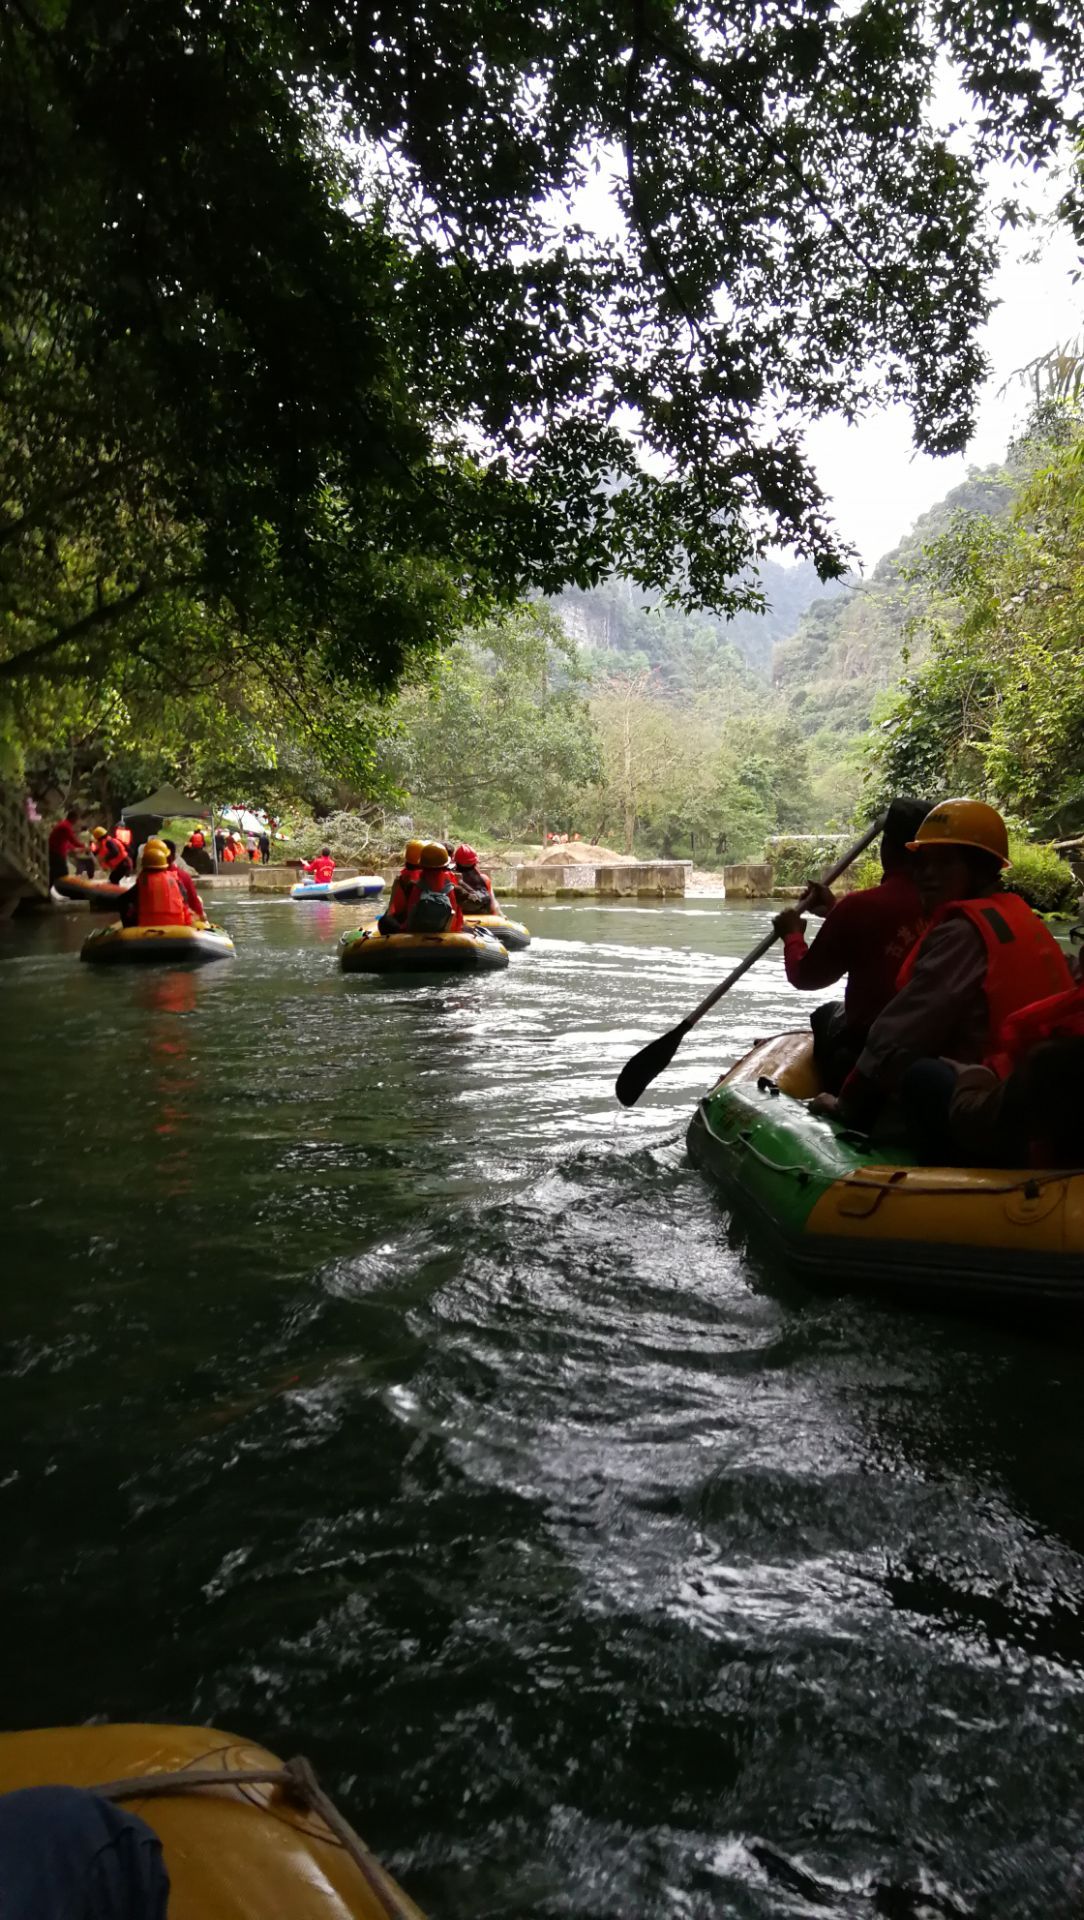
[
  {"x": 101, "y": 896},
  {"x": 258, "y": 1839},
  {"x": 360, "y": 886},
  {"x": 113, "y": 946},
  {"x": 511, "y": 933},
  {"x": 842, "y": 1210},
  {"x": 367, "y": 951}
]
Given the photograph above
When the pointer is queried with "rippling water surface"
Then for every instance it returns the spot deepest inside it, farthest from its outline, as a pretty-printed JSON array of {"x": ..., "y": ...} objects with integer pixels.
[{"x": 373, "y": 1385}]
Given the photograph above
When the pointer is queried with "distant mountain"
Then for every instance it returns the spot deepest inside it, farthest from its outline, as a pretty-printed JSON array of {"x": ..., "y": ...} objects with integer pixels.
[
  {"x": 616, "y": 618},
  {"x": 847, "y": 649}
]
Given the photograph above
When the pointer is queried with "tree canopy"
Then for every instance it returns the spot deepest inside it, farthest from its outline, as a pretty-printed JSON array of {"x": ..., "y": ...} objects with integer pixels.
[{"x": 305, "y": 335}]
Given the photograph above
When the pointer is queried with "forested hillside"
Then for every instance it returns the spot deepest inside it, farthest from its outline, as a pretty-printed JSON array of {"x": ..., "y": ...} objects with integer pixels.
[{"x": 617, "y": 619}]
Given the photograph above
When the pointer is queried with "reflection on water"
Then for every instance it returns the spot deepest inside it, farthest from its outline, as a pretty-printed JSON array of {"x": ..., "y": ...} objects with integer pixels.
[{"x": 375, "y": 1386}]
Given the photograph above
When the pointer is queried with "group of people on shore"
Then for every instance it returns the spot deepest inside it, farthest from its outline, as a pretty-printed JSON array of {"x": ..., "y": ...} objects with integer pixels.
[
  {"x": 961, "y": 1018},
  {"x": 436, "y": 886},
  {"x": 164, "y": 893}
]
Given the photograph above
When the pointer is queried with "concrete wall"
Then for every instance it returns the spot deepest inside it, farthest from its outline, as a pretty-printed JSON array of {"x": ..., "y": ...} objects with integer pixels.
[
  {"x": 748, "y": 882},
  {"x": 652, "y": 878}
]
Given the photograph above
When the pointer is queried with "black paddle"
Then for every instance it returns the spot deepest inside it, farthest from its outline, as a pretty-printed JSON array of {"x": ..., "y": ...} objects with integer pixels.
[{"x": 637, "y": 1074}]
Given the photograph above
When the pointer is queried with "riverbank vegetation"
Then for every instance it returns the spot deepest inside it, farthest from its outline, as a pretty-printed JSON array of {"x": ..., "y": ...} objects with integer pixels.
[{"x": 341, "y": 358}]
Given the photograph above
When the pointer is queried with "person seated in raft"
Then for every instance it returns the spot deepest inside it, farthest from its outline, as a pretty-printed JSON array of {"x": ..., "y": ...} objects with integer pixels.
[
  {"x": 474, "y": 887},
  {"x": 322, "y": 868},
  {"x": 432, "y": 906},
  {"x": 188, "y": 885},
  {"x": 1017, "y": 1108},
  {"x": 157, "y": 899},
  {"x": 984, "y": 954},
  {"x": 394, "y": 916},
  {"x": 63, "y": 840},
  {"x": 111, "y": 856},
  {"x": 867, "y": 936},
  {"x": 68, "y": 1854}
]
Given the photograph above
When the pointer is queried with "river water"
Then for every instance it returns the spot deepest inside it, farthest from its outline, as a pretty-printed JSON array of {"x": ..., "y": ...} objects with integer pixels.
[{"x": 372, "y": 1385}]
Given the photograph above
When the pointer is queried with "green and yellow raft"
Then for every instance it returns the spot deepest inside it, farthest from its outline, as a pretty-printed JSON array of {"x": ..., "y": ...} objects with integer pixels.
[
  {"x": 366, "y": 951},
  {"x": 511, "y": 933},
  {"x": 243, "y": 1837},
  {"x": 845, "y": 1212},
  {"x": 153, "y": 946}
]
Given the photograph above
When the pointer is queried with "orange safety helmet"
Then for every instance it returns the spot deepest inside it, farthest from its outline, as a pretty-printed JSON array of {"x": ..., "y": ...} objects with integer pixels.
[
  {"x": 412, "y": 853},
  {"x": 963, "y": 823},
  {"x": 433, "y": 855},
  {"x": 465, "y": 857}
]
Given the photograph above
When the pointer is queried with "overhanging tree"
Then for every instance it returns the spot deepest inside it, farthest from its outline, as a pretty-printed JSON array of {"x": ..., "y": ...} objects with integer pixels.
[{"x": 297, "y": 321}]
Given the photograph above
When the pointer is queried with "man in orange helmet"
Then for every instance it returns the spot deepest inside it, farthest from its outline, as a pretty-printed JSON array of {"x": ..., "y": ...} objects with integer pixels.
[{"x": 983, "y": 955}]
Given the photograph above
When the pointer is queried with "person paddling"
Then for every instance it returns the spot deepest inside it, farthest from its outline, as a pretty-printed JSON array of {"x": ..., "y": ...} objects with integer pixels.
[
  {"x": 112, "y": 857},
  {"x": 984, "y": 954},
  {"x": 867, "y": 935},
  {"x": 322, "y": 868}
]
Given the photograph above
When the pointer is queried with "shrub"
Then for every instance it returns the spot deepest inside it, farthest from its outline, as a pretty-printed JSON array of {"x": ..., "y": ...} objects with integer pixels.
[
  {"x": 797, "y": 857},
  {"x": 1042, "y": 878}
]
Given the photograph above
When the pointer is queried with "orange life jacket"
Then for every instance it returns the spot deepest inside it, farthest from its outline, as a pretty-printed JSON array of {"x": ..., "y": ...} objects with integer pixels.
[
  {"x": 197, "y": 839},
  {"x": 111, "y": 853},
  {"x": 1060, "y": 1014},
  {"x": 1023, "y": 960},
  {"x": 161, "y": 900},
  {"x": 124, "y": 835},
  {"x": 405, "y": 881},
  {"x": 439, "y": 880}
]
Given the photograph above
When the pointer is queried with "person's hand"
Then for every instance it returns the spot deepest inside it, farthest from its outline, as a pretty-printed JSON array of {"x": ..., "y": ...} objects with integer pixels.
[
  {"x": 789, "y": 921},
  {"x": 818, "y": 899},
  {"x": 826, "y": 1104}
]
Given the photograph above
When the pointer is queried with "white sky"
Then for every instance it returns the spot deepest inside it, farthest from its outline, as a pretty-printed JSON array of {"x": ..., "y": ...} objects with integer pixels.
[{"x": 877, "y": 483}]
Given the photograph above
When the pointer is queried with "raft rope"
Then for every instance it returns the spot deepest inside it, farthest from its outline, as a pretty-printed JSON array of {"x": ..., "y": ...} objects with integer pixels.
[
  {"x": 299, "y": 1784},
  {"x": 1031, "y": 1185}
]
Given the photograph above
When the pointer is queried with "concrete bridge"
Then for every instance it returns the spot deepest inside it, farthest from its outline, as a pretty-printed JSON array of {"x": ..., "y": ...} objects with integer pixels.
[{"x": 24, "y": 854}]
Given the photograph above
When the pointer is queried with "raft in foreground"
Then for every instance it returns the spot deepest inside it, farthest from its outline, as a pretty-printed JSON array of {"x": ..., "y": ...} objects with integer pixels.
[
  {"x": 361, "y": 886},
  {"x": 843, "y": 1212},
  {"x": 511, "y": 933},
  {"x": 367, "y": 951},
  {"x": 244, "y": 1851},
  {"x": 152, "y": 946}
]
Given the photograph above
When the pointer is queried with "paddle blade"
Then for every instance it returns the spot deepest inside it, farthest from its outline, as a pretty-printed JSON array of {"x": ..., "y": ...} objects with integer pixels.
[{"x": 637, "y": 1074}]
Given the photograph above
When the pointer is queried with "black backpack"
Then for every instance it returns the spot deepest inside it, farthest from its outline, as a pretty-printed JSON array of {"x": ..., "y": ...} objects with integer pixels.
[{"x": 431, "y": 911}]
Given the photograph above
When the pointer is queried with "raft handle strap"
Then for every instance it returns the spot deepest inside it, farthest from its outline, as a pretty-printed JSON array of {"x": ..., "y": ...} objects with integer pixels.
[
  {"x": 298, "y": 1783},
  {"x": 767, "y": 1085},
  {"x": 801, "y": 1174}
]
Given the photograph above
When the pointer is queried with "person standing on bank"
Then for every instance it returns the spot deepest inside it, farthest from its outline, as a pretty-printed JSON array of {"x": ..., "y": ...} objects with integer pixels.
[{"x": 866, "y": 935}]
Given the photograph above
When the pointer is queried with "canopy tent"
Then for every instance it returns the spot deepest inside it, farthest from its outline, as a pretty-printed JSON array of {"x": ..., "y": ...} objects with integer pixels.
[
  {"x": 169, "y": 803},
  {"x": 166, "y": 803}
]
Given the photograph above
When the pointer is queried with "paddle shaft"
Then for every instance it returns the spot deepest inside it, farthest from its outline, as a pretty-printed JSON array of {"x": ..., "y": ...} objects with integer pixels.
[{"x": 847, "y": 859}]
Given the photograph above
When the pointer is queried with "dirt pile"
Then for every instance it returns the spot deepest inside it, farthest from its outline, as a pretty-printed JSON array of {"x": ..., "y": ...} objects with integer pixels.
[{"x": 582, "y": 853}]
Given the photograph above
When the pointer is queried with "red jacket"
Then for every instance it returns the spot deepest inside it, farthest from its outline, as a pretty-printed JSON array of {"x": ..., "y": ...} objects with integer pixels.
[
  {"x": 64, "y": 839},
  {"x": 867, "y": 936},
  {"x": 321, "y": 869},
  {"x": 188, "y": 888},
  {"x": 1023, "y": 960},
  {"x": 160, "y": 900},
  {"x": 1059, "y": 1014}
]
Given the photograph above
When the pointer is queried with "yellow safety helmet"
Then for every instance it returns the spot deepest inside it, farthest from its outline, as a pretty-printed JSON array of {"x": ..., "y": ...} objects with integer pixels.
[
  {"x": 155, "y": 855},
  {"x": 433, "y": 855},
  {"x": 97, "y": 833},
  {"x": 963, "y": 823},
  {"x": 412, "y": 853}
]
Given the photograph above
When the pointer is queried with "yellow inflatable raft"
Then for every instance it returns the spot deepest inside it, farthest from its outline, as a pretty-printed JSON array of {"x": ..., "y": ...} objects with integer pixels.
[
  {"x": 366, "y": 951},
  {"x": 110, "y": 946},
  {"x": 259, "y": 1841},
  {"x": 511, "y": 933},
  {"x": 841, "y": 1209}
]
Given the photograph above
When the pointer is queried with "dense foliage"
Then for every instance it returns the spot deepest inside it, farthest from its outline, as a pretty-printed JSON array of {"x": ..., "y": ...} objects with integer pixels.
[
  {"x": 307, "y": 357},
  {"x": 996, "y": 706}
]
